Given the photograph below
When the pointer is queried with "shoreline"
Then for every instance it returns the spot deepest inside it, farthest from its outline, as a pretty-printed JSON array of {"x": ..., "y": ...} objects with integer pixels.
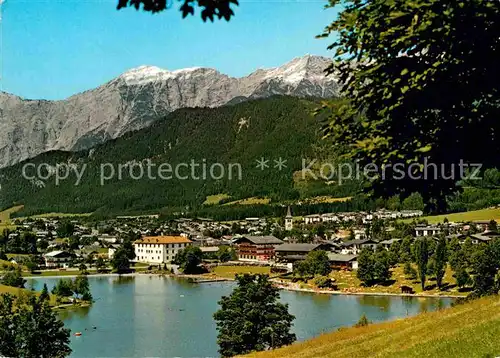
[
  {"x": 328, "y": 292},
  {"x": 89, "y": 275},
  {"x": 219, "y": 279}
]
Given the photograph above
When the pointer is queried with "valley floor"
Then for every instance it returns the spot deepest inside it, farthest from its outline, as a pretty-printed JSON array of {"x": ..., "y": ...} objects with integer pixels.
[{"x": 468, "y": 330}]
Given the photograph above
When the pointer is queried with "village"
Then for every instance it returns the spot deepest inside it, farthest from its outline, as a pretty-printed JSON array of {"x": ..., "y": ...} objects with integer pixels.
[{"x": 65, "y": 245}]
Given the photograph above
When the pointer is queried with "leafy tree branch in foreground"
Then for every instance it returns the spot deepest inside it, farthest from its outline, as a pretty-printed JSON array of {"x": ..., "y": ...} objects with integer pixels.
[{"x": 252, "y": 318}]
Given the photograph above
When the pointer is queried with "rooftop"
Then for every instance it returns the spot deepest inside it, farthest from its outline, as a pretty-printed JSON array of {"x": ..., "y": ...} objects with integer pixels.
[
  {"x": 297, "y": 247},
  {"x": 261, "y": 239},
  {"x": 341, "y": 258},
  {"x": 163, "y": 240}
]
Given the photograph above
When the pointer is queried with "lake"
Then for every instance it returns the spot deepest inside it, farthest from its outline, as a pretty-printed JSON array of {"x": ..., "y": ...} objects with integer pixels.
[{"x": 138, "y": 316}]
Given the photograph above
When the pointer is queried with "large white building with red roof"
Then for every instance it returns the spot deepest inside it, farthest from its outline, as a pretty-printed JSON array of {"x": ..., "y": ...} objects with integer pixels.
[{"x": 159, "y": 249}]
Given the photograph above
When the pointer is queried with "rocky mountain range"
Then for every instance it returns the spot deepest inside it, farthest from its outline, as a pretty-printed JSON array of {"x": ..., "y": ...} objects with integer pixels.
[{"x": 140, "y": 97}]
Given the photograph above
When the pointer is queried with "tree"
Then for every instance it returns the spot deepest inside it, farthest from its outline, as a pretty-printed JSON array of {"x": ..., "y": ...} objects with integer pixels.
[
  {"x": 366, "y": 266},
  {"x": 31, "y": 264},
  {"x": 226, "y": 254},
  {"x": 13, "y": 278},
  {"x": 32, "y": 329},
  {"x": 99, "y": 264},
  {"x": 120, "y": 261},
  {"x": 252, "y": 318},
  {"x": 65, "y": 229},
  {"x": 462, "y": 277},
  {"x": 418, "y": 82},
  {"x": 409, "y": 271},
  {"x": 28, "y": 243},
  {"x": 394, "y": 253},
  {"x": 220, "y": 9},
  {"x": 81, "y": 287},
  {"x": 422, "y": 258},
  {"x": 128, "y": 246},
  {"x": 83, "y": 268},
  {"x": 485, "y": 268},
  {"x": 406, "y": 254},
  {"x": 440, "y": 261},
  {"x": 189, "y": 259},
  {"x": 63, "y": 288},
  {"x": 382, "y": 267},
  {"x": 44, "y": 295},
  {"x": 318, "y": 263},
  {"x": 492, "y": 225},
  {"x": 457, "y": 259}
]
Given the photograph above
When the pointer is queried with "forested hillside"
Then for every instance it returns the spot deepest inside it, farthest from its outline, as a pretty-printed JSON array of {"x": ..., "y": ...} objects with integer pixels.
[{"x": 234, "y": 136}]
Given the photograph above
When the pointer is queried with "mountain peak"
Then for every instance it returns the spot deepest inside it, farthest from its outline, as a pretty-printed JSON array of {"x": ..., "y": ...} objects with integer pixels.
[
  {"x": 145, "y": 74},
  {"x": 300, "y": 68},
  {"x": 141, "y": 96}
]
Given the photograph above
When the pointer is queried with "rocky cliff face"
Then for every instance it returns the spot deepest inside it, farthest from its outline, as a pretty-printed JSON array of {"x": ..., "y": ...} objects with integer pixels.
[{"x": 139, "y": 97}]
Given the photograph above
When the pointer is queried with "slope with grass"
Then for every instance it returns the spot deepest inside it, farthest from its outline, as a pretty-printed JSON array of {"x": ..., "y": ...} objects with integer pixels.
[
  {"x": 469, "y": 330},
  {"x": 5, "y": 217},
  {"x": 483, "y": 214}
]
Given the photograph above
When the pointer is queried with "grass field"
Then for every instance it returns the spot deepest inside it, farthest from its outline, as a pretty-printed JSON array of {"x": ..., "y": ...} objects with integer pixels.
[
  {"x": 469, "y": 330},
  {"x": 327, "y": 199},
  {"x": 11, "y": 290},
  {"x": 56, "y": 215},
  {"x": 483, "y": 214},
  {"x": 250, "y": 201},
  {"x": 347, "y": 281},
  {"x": 231, "y": 271},
  {"x": 5, "y": 221},
  {"x": 215, "y": 199}
]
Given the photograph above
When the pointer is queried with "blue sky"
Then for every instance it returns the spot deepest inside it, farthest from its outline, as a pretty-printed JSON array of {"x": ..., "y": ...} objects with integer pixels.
[{"x": 53, "y": 49}]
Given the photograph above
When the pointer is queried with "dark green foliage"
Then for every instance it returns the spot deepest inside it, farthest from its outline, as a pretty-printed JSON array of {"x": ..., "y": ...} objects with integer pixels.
[
  {"x": 373, "y": 267},
  {"x": 456, "y": 255},
  {"x": 409, "y": 271},
  {"x": 100, "y": 264},
  {"x": 366, "y": 266},
  {"x": 210, "y": 9},
  {"x": 13, "y": 278},
  {"x": 25, "y": 243},
  {"x": 120, "y": 261},
  {"x": 81, "y": 287},
  {"x": 381, "y": 268},
  {"x": 486, "y": 265},
  {"x": 323, "y": 282},
  {"x": 421, "y": 248},
  {"x": 189, "y": 259},
  {"x": 424, "y": 84},
  {"x": 405, "y": 250},
  {"x": 252, "y": 318},
  {"x": 32, "y": 329},
  {"x": 462, "y": 277},
  {"x": 83, "y": 268},
  {"x": 316, "y": 263},
  {"x": 31, "y": 264},
  {"x": 200, "y": 135},
  {"x": 44, "y": 295},
  {"x": 226, "y": 254},
  {"x": 63, "y": 288},
  {"x": 394, "y": 253},
  {"x": 65, "y": 229},
  {"x": 440, "y": 261}
]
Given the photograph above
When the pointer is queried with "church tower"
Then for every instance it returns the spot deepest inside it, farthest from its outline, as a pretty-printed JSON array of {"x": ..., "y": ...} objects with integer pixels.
[{"x": 288, "y": 220}]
